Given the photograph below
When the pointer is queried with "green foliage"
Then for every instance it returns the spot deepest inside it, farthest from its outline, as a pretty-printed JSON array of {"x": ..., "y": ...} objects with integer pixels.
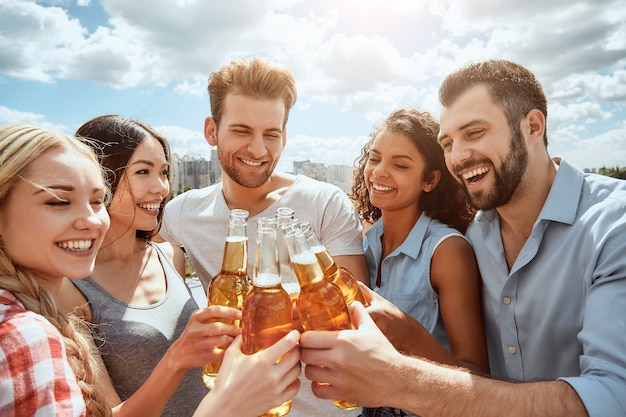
[{"x": 616, "y": 172}]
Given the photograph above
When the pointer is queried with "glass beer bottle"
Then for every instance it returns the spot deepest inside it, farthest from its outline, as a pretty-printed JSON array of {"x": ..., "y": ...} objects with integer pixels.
[
  {"x": 287, "y": 274},
  {"x": 320, "y": 303},
  {"x": 230, "y": 286},
  {"x": 338, "y": 275},
  {"x": 267, "y": 310}
]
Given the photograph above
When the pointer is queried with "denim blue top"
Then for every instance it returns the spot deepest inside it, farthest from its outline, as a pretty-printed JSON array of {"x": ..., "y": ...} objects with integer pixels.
[
  {"x": 560, "y": 312},
  {"x": 405, "y": 272}
]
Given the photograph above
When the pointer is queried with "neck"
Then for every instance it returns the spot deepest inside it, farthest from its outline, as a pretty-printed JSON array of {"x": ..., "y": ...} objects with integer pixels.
[
  {"x": 121, "y": 245},
  {"x": 522, "y": 211},
  {"x": 255, "y": 200},
  {"x": 397, "y": 226}
]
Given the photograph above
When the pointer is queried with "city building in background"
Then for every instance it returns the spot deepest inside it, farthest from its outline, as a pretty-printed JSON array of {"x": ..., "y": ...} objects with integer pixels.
[{"x": 196, "y": 172}]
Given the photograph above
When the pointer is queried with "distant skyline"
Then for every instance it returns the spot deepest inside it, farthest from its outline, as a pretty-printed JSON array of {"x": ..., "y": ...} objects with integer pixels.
[{"x": 63, "y": 62}]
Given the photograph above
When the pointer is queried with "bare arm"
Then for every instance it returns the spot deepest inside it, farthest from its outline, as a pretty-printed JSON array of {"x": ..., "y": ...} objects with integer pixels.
[
  {"x": 355, "y": 264},
  {"x": 341, "y": 364},
  {"x": 454, "y": 276}
]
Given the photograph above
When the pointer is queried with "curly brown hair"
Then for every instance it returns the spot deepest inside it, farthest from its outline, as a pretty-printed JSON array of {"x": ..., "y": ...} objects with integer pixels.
[{"x": 446, "y": 202}]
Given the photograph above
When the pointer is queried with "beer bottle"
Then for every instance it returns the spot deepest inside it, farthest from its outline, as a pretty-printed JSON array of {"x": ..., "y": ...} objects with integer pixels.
[
  {"x": 320, "y": 303},
  {"x": 267, "y": 311},
  {"x": 287, "y": 275},
  {"x": 230, "y": 286},
  {"x": 338, "y": 275}
]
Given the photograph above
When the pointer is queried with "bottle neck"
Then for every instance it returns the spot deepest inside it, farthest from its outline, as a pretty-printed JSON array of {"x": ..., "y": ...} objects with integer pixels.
[
  {"x": 266, "y": 263},
  {"x": 235, "y": 259}
]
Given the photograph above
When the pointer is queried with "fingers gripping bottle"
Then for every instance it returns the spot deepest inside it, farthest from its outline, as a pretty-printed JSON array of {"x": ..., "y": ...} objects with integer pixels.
[
  {"x": 320, "y": 303},
  {"x": 338, "y": 275},
  {"x": 267, "y": 310},
  {"x": 230, "y": 286},
  {"x": 287, "y": 274}
]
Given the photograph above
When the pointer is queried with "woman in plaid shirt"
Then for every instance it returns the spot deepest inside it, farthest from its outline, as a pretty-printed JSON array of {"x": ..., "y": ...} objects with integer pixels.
[{"x": 52, "y": 221}]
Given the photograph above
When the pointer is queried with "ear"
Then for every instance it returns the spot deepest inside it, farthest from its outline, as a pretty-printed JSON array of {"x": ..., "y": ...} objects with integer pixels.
[
  {"x": 210, "y": 131},
  {"x": 431, "y": 181},
  {"x": 284, "y": 136},
  {"x": 534, "y": 124}
]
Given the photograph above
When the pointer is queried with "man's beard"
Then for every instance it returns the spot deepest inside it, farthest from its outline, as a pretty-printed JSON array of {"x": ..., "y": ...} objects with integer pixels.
[
  {"x": 507, "y": 177},
  {"x": 245, "y": 180}
]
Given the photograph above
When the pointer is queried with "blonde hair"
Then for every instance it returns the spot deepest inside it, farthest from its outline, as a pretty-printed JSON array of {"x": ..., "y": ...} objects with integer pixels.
[
  {"x": 20, "y": 145},
  {"x": 254, "y": 77}
]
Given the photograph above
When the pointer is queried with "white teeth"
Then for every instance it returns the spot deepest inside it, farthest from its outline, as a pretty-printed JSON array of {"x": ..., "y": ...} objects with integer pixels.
[
  {"x": 251, "y": 163},
  {"x": 381, "y": 187},
  {"x": 75, "y": 245},
  {"x": 475, "y": 172},
  {"x": 153, "y": 206}
]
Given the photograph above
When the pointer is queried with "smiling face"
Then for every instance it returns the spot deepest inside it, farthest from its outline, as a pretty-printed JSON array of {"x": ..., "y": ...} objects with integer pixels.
[
  {"x": 249, "y": 139},
  {"x": 142, "y": 189},
  {"x": 395, "y": 173},
  {"x": 481, "y": 150},
  {"x": 54, "y": 219}
]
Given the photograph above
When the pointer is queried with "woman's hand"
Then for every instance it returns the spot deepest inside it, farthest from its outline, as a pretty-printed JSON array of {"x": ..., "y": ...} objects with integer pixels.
[
  {"x": 204, "y": 339},
  {"x": 266, "y": 379}
]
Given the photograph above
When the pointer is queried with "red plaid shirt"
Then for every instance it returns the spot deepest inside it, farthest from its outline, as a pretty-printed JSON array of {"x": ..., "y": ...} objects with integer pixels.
[{"x": 35, "y": 376}]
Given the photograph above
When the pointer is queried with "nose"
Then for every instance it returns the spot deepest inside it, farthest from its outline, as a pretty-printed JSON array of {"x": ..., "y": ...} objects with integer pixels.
[
  {"x": 89, "y": 219},
  {"x": 380, "y": 170},
  {"x": 256, "y": 145},
  {"x": 161, "y": 186},
  {"x": 457, "y": 154}
]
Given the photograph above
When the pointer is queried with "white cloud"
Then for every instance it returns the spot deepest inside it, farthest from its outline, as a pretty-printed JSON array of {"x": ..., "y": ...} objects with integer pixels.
[
  {"x": 8, "y": 115},
  {"x": 360, "y": 58}
]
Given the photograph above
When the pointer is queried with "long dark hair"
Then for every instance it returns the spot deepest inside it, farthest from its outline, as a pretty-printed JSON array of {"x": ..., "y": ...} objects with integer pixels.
[
  {"x": 446, "y": 202},
  {"x": 115, "y": 139}
]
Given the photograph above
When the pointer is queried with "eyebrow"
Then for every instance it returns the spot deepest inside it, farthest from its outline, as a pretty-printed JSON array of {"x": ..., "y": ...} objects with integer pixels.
[
  {"x": 51, "y": 189},
  {"x": 245, "y": 126},
  {"x": 58, "y": 187},
  {"x": 147, "y": 162},
  {"x": 393, "y": 156},
  {"x": 463, "y": 127}
]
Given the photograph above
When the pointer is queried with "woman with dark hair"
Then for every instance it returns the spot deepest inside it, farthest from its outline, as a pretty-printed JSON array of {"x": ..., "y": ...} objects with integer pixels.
[
  {"x": 151, "y": 335},
  {"x": 416, "y": 254}
]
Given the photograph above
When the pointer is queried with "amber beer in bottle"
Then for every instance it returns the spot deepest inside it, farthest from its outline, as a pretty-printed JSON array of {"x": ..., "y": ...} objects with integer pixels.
[
  {"x": 338, "y": 275},
  {"x": 230, "y": 286},
  {"x": 320, "y": 303},
  {"x": 267, "y": 310}
]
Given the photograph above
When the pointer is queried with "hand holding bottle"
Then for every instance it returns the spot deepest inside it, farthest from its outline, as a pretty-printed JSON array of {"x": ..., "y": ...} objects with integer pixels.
[
  {"x": 400, "y": 328},
  {"x": 203, "y": 341},
  {"x": 249, "y": 385},
  {"x": 351, "y": 364}
]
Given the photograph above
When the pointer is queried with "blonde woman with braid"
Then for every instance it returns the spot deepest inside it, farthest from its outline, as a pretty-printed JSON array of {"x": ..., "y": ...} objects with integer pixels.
[{"x": 52, "y": 221}]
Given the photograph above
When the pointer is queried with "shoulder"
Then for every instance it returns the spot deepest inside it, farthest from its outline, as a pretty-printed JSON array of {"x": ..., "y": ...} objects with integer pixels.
[
  {"x": 71, "y": 299},
  {"x": 26, "y": 332},
  {"x": 166, "y": 248}
]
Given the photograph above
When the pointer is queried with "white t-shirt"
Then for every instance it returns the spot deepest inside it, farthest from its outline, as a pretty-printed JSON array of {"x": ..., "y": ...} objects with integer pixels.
[{"x": 198, "y": 220}]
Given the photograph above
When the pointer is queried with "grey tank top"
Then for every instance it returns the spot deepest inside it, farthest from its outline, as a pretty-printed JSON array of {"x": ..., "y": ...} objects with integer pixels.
[{"x": 135, "y": 338}]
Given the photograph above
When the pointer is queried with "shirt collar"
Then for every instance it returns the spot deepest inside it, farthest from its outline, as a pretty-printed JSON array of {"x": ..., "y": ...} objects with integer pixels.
[{"x": 412, "y": 244}]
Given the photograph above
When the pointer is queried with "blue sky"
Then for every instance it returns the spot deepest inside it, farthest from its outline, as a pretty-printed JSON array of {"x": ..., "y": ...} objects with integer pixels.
[{"x": 63, "y": 62}]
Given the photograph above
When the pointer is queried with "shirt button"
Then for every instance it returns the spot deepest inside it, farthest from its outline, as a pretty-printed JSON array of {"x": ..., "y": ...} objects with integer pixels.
[
  {"x": 506, "y": 300},
  {"x": 512, "y": 350}
]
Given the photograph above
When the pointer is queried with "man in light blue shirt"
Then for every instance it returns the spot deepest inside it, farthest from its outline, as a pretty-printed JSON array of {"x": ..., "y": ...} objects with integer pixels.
[{"x": 551, "y": 247}]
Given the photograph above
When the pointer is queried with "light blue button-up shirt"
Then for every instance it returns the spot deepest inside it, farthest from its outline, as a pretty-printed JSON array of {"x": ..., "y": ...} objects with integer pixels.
[{"x": 560, "y": 312}]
